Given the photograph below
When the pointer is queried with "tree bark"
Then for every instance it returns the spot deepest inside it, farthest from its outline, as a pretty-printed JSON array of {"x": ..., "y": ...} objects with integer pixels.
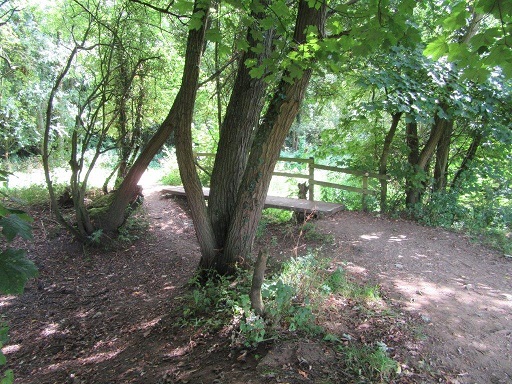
[
  {"x": 184, "y": 151},
  {"x": 257, "y": 282},
  {"x": 237, "y": 131},
  {"x": 411, "y": 193},
  {"x": 46, "y": 149},
  {"x": 468, "y": 158},
  {"x": 383, "y": 162},
  {"x": 281, "y": 113},
  {"x": 415, "y": 188},
  {"x": 442, "y": 155}
]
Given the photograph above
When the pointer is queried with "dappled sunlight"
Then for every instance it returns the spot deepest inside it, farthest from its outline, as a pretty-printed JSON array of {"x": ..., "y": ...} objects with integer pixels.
[
  {"x": 418, "y": 256},
  {"x": 150, "y": 323},
  {"x": 92, "y": 359},
  {"x": 181, "y": 350},
  {"x": 11, "y": 349},
  {"x": 168, "y": 287},
  {"x": 84, "y": 313},
  {"x": 372, "y": 236},
  {"x": 6, "y": 301},
  {"x": 422, "y": 295},
  {"x": 176, "y": 221},
  {"x": 356, "y": 269},
  {"x": 379, "y": 235},
  {"x": 397, "y": 239},
  {"x": 50, "y": 329}
]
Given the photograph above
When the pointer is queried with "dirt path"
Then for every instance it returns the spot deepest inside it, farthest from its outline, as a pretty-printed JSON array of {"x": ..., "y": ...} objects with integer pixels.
[
  {"x": 113, "y": 317},
  {"x": 463, "y": 291}
]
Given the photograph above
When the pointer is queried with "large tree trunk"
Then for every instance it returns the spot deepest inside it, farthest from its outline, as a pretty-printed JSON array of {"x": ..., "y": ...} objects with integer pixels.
[
  {"x": 418, "y": 161},
  {"x": 383, "y": 163},
  {"x": 442, "y": 156},
  {"x": 265, "y": 149},
  {"x": 236, "y": 134},
  {"x": 186, "y": 157},
  {"x": 468, "y": 158},
  {"x": 411, "y": 193},
  {"x": 128, "y": 189}
]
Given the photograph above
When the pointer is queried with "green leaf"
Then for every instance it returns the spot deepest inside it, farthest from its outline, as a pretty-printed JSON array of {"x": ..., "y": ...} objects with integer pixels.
[
  {"x": 3, "y": 175},
  {"x": 257, "y": 72},
  {"x": 214, "y": 35},
  {"x": 437, "y": 48},
  {"x": 280, "y": 9},
  {"x": 3, "y": 334},
  {"x": 314, "y": 4},
  {"x": 196, "y": 21},
  {"x": 15, "y": 270},
  {"x": 242, "y": 45},
  {"x": 8, "y": 377},
  {"x": 457, "y": 17},
  {"x": 4, "y": 211},
  {"x": 15, "y": 224},
  {"x": 183, "y": 6}
]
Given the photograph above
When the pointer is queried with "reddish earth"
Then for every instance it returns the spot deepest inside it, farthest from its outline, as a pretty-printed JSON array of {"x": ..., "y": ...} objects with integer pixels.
[{"x": 115, "y": 316}]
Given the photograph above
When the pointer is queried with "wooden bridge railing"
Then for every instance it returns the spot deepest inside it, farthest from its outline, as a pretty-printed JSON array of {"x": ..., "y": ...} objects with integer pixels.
[{"x": 310, "y": 177}]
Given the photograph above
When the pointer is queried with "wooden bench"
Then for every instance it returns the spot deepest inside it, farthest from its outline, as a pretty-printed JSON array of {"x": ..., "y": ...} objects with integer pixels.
[{"x": 287, "y": 203}]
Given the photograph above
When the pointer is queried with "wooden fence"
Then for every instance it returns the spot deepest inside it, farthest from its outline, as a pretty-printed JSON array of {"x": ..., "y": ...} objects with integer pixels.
[{"x": 310, "y": 177}]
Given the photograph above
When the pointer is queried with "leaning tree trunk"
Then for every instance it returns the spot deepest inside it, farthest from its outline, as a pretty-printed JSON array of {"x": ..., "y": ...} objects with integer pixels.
[
  {"x": 185, "y": 154},
  {"x": 442, "y": 156},
  {"x": 416, "y": 186},
  {"x": 128, "y": 189},
  {"x": 468, "y": 158},
  {"x": 281, "y": 113},
  {"x": 383, "y": 162}
]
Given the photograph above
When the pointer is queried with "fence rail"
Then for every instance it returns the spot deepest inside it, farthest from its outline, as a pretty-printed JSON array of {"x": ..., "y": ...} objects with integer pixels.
[{"x": 310, "y": 177}]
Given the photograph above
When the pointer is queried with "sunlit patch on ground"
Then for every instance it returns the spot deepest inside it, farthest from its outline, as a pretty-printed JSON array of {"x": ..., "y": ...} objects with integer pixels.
[
  {"x": 6, "y": 300},
  {"x": 11, "y": 349}
]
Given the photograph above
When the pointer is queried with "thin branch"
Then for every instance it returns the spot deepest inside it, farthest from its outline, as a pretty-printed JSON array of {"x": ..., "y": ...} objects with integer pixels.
[
  {"x": 8, "y": 62},
  {"x": 217, "y": 73},
  {"x": 7, "y": 14},
  {"x": 162, "y": 10}
]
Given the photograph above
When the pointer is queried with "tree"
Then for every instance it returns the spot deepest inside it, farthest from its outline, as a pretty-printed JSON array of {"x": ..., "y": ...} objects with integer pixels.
[
  {"x": 252, "y": 187},
  {"x": 485, "y": 27},
  {"x": 179, "y": 114}
]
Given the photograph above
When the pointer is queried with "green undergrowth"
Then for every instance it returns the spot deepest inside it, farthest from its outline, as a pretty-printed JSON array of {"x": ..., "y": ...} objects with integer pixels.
[
  {"x": 295, "y": 297},
  {"x": 35, "y": 194}
]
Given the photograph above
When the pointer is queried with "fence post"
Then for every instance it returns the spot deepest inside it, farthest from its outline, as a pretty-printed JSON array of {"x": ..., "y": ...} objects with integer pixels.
[
  {"x": 311, "y": 179},
  {"x": 365, "y": 191}
]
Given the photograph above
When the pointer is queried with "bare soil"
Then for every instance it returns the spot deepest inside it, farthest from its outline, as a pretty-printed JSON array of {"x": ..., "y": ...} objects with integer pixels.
[{"x": 96, "y": 316}]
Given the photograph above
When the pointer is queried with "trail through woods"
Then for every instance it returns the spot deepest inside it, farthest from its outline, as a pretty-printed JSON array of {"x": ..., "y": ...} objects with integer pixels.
[
  {"x": 463, "y": 291},
  {"x": 98, "y": 316}
]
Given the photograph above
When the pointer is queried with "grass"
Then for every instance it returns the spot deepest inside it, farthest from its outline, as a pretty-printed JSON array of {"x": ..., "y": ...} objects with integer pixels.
[
  {"x": 369, "y": 362},
  {"x": 172, "y": 177},
  {"x": 272, "y": 216},
  {"x": 34, "y": 194},
  {"x": 293, "y": 298},
  {"x": 496, "y": 238}
]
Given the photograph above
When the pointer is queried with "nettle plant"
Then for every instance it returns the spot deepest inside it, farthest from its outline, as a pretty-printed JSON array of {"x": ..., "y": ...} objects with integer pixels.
[{"x": 15, "y": 268}]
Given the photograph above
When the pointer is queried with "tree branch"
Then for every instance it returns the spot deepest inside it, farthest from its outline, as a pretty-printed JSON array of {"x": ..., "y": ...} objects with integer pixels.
[
  {"x": 162, "y": 10},
  {"x": 217, "y": 73}
]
